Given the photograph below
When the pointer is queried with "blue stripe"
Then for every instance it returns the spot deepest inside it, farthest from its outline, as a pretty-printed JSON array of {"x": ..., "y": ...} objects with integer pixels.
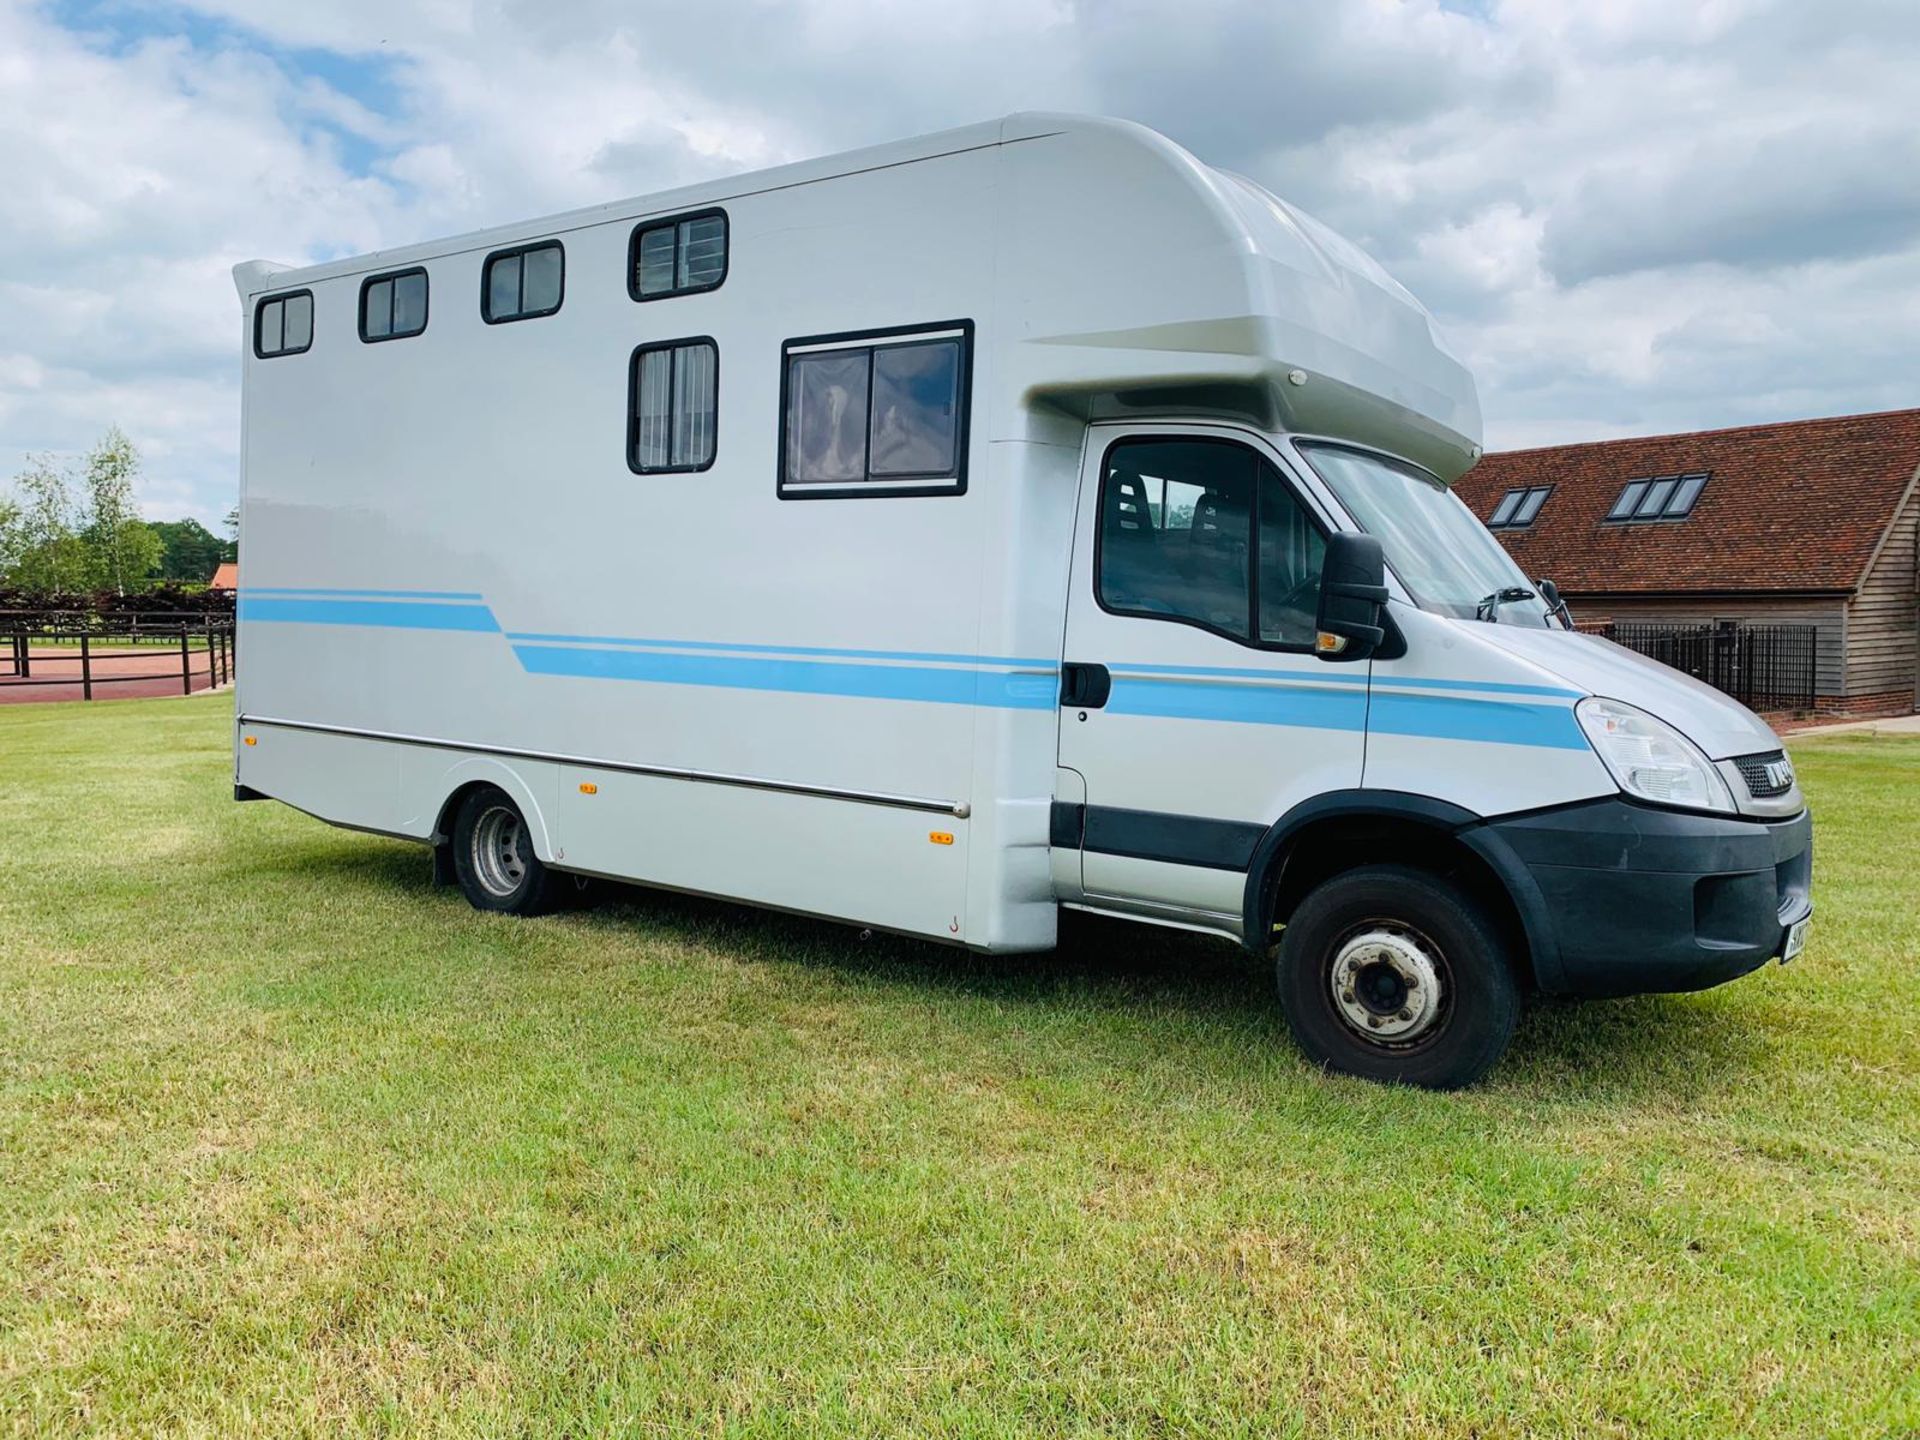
[
  {"x": 1316, "y": 709},
  {"x": 925, "y": 657},
  {"x": 362, "y": 594},
  {"x": 799, "y": 677},
  {"x": 1326, "y": 674},
  {"x": 1500, "y": 722},
  {"x": 401, "y": 615}
]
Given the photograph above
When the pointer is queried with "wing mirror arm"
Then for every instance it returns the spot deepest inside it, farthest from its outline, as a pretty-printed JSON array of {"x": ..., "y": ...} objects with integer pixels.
[{"x": 1353, "y": 597}]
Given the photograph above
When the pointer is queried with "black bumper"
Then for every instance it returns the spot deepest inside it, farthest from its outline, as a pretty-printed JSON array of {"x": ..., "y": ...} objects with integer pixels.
[{"x": 1627, "y": 899}]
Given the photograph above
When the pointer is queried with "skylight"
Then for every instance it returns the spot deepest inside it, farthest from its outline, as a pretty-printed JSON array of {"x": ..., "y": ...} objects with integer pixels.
[
  {"x": 1517, "y": 508},
  {"x": 1658, "y": 497}
]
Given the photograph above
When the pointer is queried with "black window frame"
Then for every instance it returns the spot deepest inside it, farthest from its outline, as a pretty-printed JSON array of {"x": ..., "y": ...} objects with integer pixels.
[
  {"x": 1521, "y": 496},
  {"x": 673, "y": 223},
  {"x": 426, "y": 306},
  {"x": 486, "y": 282},
  {"x": 259, "y": 314},
  {"x": 1251, "y": 640},
  {"x": 925, "y": 485},
  {"x": 633, "y": 405},
  {"x": 1622, "y": 509}
]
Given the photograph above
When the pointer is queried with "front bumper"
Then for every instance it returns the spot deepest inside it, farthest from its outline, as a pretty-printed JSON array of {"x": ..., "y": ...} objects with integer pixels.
[{"x": 1631, "y": 899}]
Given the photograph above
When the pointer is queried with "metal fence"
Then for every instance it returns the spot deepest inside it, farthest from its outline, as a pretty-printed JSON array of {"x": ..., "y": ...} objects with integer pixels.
[
  {"x": 1764, "y": 667},
  {"x": 90, "y": 652}
]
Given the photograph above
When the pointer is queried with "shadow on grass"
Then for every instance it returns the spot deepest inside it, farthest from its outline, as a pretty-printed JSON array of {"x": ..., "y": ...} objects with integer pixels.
[{"x": 1662, "y": 1046}]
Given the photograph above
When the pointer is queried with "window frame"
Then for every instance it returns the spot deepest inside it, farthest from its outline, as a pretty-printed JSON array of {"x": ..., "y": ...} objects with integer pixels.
[
  {"x": 259, "y": 314},
  {"x": 486, "y": 281},
  {"x": 1520, "y": 496},
  {"x": 673, "y": 222},
  {"x": 925, "y": 485},
  {"x": 1664, "y": 513},
  {"x": 1251, "y": 640},
  {"x": 426, "y": 307},
  {"x": 633, "y": 405}
]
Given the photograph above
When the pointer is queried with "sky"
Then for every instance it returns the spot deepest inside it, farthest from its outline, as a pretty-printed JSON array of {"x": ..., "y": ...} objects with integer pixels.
[{"x": 1629, "y": 216}]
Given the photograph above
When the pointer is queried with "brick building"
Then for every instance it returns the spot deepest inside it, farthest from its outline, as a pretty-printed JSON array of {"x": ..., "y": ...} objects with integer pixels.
[{"x": 1810, "y": 522}]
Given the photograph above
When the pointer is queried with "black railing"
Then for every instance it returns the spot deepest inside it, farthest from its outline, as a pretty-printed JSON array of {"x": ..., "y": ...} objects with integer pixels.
[
  {"x": 1764, "y": 667},
  {"x": 78, "y": 650}
]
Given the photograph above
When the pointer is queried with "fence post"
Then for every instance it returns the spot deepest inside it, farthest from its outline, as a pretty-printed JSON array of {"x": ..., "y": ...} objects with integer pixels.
[
  {"x": 186, "y": 662},
  {"x": 86, "y": 669}
]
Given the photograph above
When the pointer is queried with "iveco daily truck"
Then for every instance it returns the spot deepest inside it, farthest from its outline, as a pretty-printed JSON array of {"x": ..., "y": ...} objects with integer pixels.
[{"x": 941, "y": 535}]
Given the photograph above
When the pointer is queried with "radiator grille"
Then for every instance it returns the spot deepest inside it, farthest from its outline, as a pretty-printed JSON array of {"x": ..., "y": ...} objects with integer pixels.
[{"x": 1766, "y": 775}]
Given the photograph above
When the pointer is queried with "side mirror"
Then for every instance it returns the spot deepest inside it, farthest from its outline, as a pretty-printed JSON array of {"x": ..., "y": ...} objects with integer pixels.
[
  {"x": 1550, "y": 593},
  {"x": 1353, "y": 591}
]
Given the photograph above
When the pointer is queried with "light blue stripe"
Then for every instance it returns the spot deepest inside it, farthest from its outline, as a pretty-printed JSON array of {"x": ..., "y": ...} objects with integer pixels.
[
  {"x": 393, "y": 614},
  {"x": 1499, "y": 722},
  {"x": 362, "y": 594},
  {"x": 924, "y": 657},
  {"x": 801, "y": 677},
  {"x": 1332, "y": 676},
  {"x": 1314, "y": 709}
]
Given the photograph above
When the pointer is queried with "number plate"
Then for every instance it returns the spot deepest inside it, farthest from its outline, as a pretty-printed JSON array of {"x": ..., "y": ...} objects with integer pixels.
[{"x": 1796, "y": 939}]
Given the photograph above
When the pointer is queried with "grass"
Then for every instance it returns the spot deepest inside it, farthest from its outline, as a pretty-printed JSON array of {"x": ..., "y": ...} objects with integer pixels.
[{"x": 292, "y": 1143}]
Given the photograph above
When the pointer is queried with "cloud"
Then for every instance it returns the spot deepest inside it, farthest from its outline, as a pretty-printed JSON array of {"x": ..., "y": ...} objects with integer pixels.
[{"x": 1632, "y": 216}]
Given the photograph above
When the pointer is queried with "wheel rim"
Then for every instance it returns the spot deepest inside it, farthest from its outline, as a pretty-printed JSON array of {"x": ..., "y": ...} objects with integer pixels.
[
  {"x": 499, "y": 854},
  {"x": 1388, "y": 983}
]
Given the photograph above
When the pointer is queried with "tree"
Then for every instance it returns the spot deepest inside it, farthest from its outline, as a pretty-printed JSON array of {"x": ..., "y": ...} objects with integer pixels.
[
  {"x": 52, "y": 557},
  {"x": 188, "y": 550},
  {"x": 9, "y": 536},
  {"x": 127, "y": 550}
]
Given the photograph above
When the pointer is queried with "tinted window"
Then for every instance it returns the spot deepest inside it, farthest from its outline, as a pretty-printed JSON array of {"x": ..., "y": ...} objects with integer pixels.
[
  {"x": 524, "y": 283},
  {"x": 393, "y": 307},
  {"x": 916, "y": 401},
  {"x": 1685, "y": 495},
  {"x": 876, "y": 417},
  {"x": 675, "y": 406},
  {"x": 678, "y": 256},
  {"x": 283, "y": 325},
  {"x": 1177, "y": 536},
  {"x": 1530, "y": 506},
  {"x": 1654, "y": 499}
]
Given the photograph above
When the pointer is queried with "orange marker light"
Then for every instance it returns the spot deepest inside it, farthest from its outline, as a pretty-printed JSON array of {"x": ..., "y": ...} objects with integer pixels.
[
  {"x": 251, "y": 740},
  {"x": 940, "y": 837},
  {"x": 587, "y": 787}
]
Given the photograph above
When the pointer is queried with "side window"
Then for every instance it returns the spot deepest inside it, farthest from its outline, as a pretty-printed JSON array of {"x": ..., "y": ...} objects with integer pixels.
[
  {"x": 524, "y": 283},
  {"x": 392, "y": 307},
  {"x": 1206, "y": 532},
  {"x": 283, "y": 324},
  {"x": 673, "y": 409},
  {"x": 1292, "y": 551},
  {"x": 878, "y": 414},
  {"x": 681, "y": 256}
]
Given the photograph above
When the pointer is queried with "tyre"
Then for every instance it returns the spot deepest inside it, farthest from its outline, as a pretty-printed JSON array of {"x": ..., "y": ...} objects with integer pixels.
[
  {"x": 493, "y": 857},
  {"x": 1393, "y": 974}
]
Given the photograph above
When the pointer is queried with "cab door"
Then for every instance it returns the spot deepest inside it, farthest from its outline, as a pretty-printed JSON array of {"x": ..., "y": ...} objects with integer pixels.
[{"x": 1193, "y": 707}]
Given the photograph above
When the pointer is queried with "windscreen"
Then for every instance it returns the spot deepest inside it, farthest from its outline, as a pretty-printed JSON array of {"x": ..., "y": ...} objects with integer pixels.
[{"x": 1445, "y": 557}]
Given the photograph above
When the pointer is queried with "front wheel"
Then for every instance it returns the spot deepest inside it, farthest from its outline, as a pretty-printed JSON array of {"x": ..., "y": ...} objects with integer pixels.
[{"x": 1392, "y": 974}]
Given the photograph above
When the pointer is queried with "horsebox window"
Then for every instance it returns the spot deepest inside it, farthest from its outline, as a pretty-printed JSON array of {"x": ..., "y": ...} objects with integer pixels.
[
  {"x": 283, "y": 325},
  {"x": 681, "y": 256},
  {"x": 393, "y": 307},
  {"x": 524, "y": 283},
  {"x": 674, "y": 406},
  {"x": 879, "y": 413}
]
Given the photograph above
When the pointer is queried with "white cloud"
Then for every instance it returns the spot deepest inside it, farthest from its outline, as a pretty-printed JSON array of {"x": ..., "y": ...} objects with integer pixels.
[{"x": 1631, "y": 216}]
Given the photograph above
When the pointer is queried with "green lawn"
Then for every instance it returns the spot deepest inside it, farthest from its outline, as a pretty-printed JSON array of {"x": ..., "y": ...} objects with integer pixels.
[{"x": 291, "y": 1142}]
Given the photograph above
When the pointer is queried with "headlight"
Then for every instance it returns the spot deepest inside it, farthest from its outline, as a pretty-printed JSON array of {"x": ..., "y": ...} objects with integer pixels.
[{"x": 1650, "y": 759}]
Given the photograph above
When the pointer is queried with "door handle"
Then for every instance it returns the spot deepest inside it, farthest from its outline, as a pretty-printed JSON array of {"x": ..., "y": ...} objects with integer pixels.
[{"x": 1085, "y": 685}]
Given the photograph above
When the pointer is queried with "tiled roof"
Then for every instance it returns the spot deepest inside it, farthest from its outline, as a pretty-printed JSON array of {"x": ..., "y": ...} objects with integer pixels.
[
  {"x": 226, "y": 576},
  {"x": 1795, "y": 506}
]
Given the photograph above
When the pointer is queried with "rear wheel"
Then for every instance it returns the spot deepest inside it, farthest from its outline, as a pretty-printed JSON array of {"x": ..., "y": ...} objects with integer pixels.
[
  {"x": 493, "y": 857},
  {"x": 1391, "y": 973}
]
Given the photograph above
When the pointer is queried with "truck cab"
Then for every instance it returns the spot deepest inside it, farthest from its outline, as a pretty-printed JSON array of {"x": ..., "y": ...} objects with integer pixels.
[{"x": 1472, "y": 798}]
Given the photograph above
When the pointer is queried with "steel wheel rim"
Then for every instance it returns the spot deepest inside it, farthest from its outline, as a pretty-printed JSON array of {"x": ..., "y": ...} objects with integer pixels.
[
  {"x": 499, "y": 855},
  {"x": 1389, "y": 984}
]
